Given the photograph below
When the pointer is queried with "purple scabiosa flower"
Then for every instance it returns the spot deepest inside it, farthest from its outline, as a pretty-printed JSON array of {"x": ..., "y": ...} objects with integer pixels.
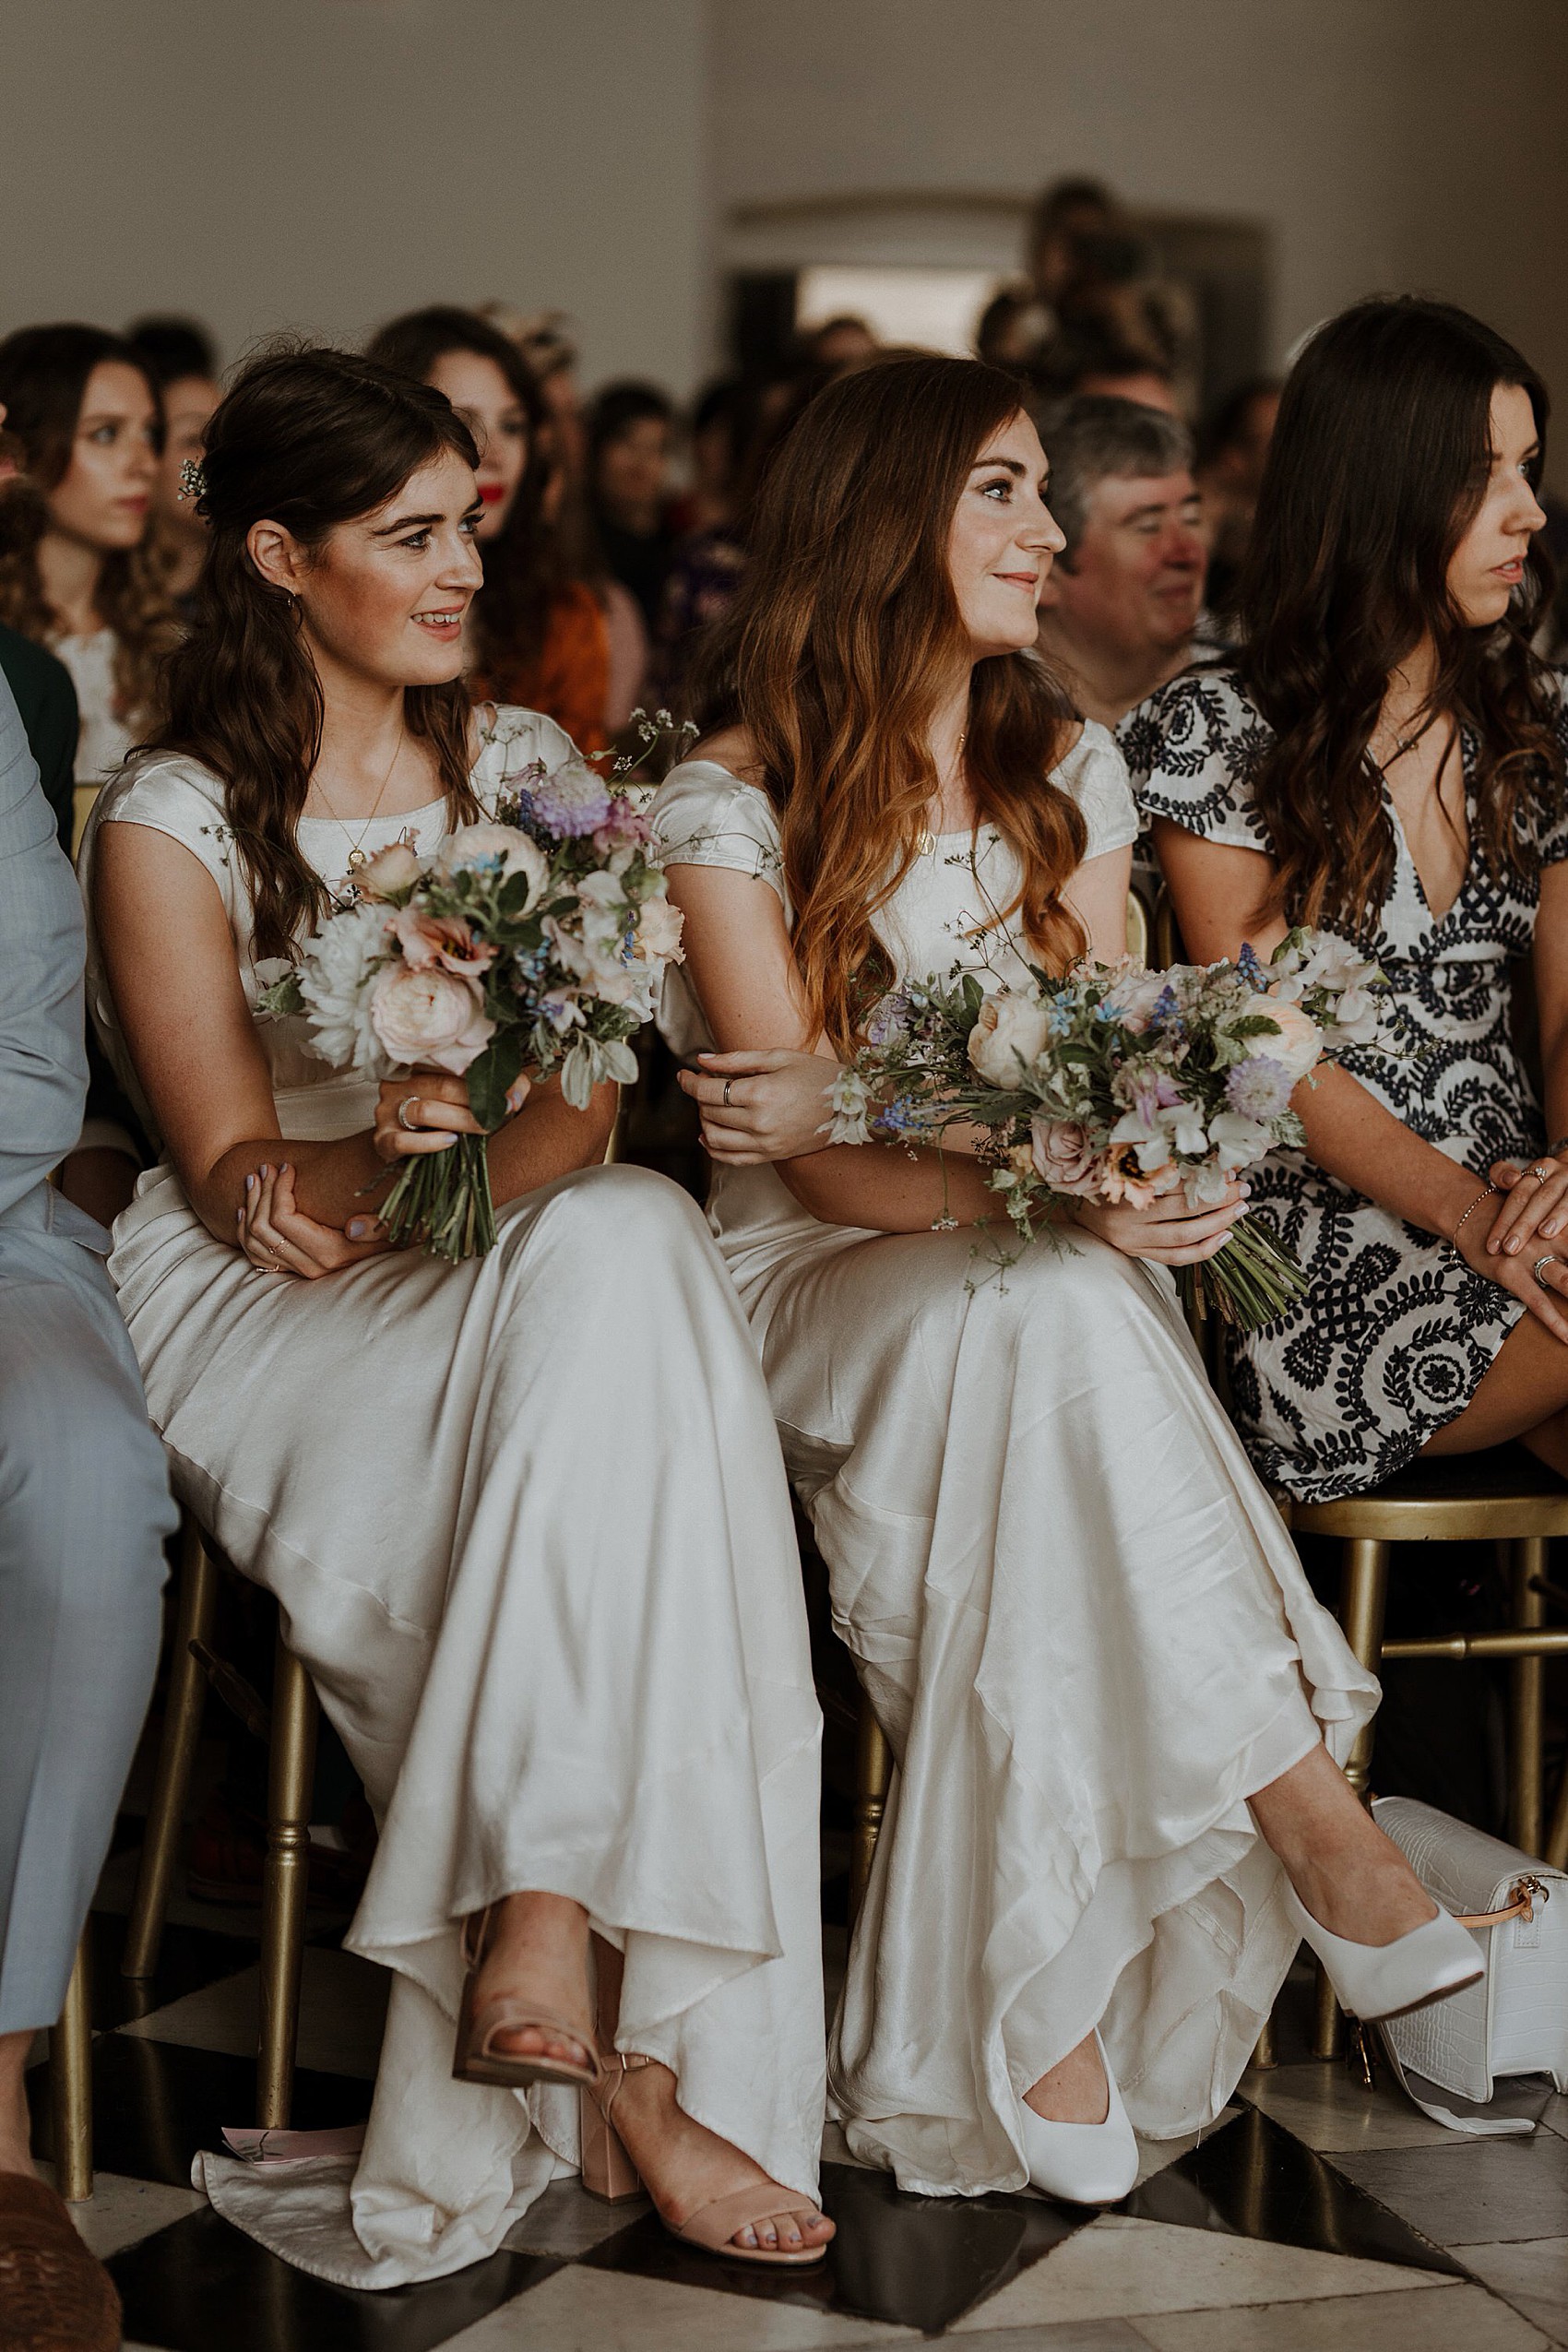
[
  {"x": 1259, "y": 1089},
  {"x": 571, "y": 799}
]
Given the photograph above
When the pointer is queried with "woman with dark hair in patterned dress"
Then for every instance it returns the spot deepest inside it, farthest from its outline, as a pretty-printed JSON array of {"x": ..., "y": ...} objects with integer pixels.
[{"x": 1385, "y": 759}]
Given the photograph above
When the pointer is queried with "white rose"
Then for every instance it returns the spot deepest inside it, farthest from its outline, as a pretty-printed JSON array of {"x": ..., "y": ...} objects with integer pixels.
[
  {"x": 497, "y": 845},
  {"x": 1297, "y": 1044},
  {"x": 1008, "y": 1037}
]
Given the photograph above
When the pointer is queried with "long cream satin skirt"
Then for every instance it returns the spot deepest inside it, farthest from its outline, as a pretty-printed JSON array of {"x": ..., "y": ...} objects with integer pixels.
[{"x": 529, "y": 1526}]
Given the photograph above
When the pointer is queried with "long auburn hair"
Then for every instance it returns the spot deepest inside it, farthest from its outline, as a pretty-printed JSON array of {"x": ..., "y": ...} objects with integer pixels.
[
  {"x": 45, "y": 373},
  {"x": 309, "y": 438},
  {"x": 1378, "y": 465},
  {"x": 524, "y": 568},
  {"x": 832, "y": 660}
]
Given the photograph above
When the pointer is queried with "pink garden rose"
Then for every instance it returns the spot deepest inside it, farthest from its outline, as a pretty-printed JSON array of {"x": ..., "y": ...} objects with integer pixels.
[
  {"x": 1064, "y": 1156},
  {"x": 429, "y": 1016},
  {"x": 393, "y": 869},
  {"x": 1300, "y": 1041}
]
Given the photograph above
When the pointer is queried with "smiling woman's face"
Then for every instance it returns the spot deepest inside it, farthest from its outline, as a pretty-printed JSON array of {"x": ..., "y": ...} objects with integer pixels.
[
  {"x": 1489, "y": 563},
  {"x": 1003, "y": 541},
  {"x": 384, "y": 597}
]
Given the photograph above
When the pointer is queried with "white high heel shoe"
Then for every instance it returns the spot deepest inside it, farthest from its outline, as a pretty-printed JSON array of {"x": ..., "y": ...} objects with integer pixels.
[
  {"x": 1385, "y": 1979},
  {"x": 1084, "y": 2164}
]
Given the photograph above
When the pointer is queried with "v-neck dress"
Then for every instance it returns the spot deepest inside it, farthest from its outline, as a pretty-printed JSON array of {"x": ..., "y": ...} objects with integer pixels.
[{"x": 1394, "y": 1335}]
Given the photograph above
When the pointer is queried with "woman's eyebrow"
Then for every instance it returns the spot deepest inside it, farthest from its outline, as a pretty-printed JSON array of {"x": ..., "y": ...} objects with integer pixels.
[
  {"x": 1005, "y": 465},
  {"x": 407, "y": 523}
]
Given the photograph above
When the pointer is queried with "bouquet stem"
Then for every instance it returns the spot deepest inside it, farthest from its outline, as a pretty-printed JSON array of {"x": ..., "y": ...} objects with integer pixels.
[
  {"x": 443, "y": 1199},
  {"x": 1249, "y": 1282}
]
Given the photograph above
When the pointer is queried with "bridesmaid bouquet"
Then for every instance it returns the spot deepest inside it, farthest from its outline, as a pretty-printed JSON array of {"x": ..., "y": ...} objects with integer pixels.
[
  {"x": 536, "y": 943},
  {"x": 1120, "y": 1084}
]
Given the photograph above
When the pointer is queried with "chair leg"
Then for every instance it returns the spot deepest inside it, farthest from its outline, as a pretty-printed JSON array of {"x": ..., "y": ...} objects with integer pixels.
[
  {"x": 70, "y": 2084},
  {"x": 873, "y": 1771},
  {"x": 1528, "y": 1676},
  {"x": 195, "y": 1606},
  {"x": 286, "y": 1884},
  {"x": 1363, "y": 1598},
  {"x": 1266, "y": 2051}
]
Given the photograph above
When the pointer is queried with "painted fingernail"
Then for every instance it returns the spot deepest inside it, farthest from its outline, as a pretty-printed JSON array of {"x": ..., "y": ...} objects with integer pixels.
[
  {"x": 283, "y": 1171},
  {"x": 356, "y": 1229},
  {"x": 250, "y": 1183}
]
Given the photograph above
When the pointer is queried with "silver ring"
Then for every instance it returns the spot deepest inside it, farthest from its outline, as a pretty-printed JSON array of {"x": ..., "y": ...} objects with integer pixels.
[
  {"x": 1541, "y": 1174},
  {"x": 724, "y": 1098},
  {"x": 1548, "y": 1260},
  {"x": 409, "y": 1126},
  {"x": 266, "y": 1265}
]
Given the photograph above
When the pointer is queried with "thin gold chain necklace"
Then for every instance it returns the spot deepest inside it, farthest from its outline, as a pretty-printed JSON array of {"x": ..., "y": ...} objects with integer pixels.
[
  {"x": 356, "y": 852},
  {"x": 926, "y": 840}
]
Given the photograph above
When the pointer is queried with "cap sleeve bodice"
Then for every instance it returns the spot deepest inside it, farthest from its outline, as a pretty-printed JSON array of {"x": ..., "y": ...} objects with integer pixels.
[{"x": 178, "y": 796}]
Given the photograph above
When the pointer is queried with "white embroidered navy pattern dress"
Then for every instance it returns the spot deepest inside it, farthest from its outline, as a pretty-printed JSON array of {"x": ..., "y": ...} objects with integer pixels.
[{"x": 1394, "y": 1335}]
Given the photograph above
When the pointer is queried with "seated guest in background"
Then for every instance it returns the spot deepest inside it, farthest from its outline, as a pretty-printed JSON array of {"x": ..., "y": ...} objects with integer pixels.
[
  {"x": 1119, "y": 606},
  {"x": 86, "y": 412},
  {"x": 84, "y": 1508},
  {"x": 630, "y": 436},
  {"x": 1385, "y": 757},
  {"x": 534, "y": 634},
  {"x": 1093, "y": 367},
  {"x": 525, "y": 1515},
  {"x": 185, "y": 366},
  {"x": 39, "y": 680},
  {"x": 843, "y": 342},
  {"x": 1107, "y": 1684},
  {"x": 1232, "y": 450}
]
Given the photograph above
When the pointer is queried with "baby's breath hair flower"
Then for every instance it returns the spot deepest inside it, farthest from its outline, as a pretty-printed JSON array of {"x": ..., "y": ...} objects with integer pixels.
[{"x": 192, "y": 480}]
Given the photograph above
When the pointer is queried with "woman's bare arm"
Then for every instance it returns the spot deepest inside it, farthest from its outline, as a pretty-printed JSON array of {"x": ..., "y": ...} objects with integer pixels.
[{"x": 739, "y": 960}]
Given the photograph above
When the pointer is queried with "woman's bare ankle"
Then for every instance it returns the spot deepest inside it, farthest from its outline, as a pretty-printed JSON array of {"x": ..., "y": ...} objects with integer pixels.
[{"x": 1076, "y": 2090}]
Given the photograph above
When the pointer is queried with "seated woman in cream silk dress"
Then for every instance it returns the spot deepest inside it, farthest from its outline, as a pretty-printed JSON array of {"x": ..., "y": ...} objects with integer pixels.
[
  {"x": 1080, "y": 1621},
  {"x": 524, "y": 1516}
]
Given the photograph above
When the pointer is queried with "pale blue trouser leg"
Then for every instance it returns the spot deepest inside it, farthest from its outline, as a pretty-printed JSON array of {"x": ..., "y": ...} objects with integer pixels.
[{"x": 84, "y": 1507}]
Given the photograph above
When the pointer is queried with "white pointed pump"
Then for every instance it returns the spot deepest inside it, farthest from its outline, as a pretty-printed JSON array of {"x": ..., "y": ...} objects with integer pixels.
[
  {"x": 1374, "y": 1980},
  {"x": 1084, "y": 2164}
]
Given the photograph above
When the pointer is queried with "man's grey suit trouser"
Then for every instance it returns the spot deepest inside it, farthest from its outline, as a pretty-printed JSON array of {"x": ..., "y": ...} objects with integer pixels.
[{"x": 84, "y": 1508}]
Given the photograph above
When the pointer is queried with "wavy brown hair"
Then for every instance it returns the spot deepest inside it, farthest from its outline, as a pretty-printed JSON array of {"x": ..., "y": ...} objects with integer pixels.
[
  {"x": 43, "y": 379},
  {"x": 1378, "y": 466},
  {"x": 308, "y": 438},
  {"x": 834, "y": 660}
]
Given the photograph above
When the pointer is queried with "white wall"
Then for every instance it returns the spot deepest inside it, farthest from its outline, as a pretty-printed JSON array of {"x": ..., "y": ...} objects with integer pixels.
[
  {"x": 324, "y": 163},
  {"x": 1386, "y": 143}
]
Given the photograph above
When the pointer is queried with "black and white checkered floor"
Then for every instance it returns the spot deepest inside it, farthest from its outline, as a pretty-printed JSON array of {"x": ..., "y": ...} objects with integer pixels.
[{"x": 1314, "y": 2214}]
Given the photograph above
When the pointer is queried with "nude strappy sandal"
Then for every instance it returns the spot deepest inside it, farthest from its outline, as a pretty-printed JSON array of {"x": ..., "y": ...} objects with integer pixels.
[
  {"x": 476, "y": 2058},
  {"x": 609, "y": 2174}
]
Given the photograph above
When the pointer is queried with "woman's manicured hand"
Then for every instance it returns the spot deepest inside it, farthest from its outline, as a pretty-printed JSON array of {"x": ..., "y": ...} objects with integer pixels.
[
  {"x": 275, "y": 1235},
  {"x": 1168, "y": 1231},
  {"x": 1514, "y": 1269},
  {"x": 438, "y": 1112},
  {"x": 1534, "y": 1204},
  {"x": 777, "y": 1106}
]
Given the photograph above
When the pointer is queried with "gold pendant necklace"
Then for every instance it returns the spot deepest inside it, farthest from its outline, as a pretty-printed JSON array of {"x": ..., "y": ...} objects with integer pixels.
[
  {"x": 925, "y": 839},
  {"x": 357, "y": 858}
]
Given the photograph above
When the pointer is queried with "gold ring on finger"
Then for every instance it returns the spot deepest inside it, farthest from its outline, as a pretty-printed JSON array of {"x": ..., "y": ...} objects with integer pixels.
[
  {"x": 1536, "y": 1270},
  {"x": 409, "y": 1126},
  {"x": 1541, "y": 1174}
]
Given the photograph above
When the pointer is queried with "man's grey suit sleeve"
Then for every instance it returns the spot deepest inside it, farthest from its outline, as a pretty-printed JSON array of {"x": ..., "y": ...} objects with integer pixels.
[{"x": 42, "y": 948}]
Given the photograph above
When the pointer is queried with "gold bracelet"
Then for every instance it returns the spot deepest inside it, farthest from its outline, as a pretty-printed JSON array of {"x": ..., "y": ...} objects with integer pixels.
[{"x": 1491, "y": 1191}]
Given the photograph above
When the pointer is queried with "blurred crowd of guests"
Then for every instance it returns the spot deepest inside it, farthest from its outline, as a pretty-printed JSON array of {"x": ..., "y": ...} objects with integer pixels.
[{"x": 616, "y": 527}]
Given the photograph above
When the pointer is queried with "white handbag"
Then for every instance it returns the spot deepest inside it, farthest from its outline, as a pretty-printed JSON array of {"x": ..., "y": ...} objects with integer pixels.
[{"x": 1514, "y": 2020}]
